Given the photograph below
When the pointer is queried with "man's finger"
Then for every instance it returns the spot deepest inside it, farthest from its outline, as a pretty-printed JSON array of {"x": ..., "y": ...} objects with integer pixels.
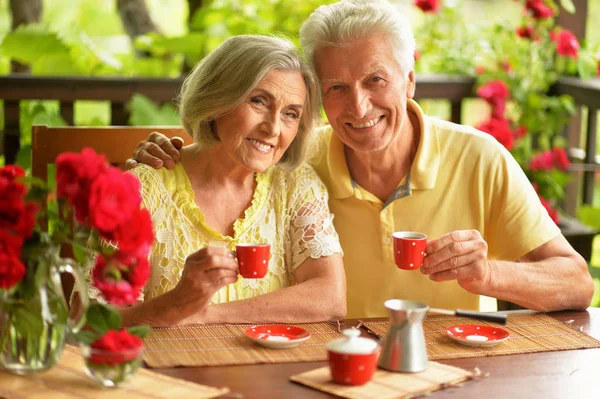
[
  {"x": 453, "y": 262},
  {"x": 445, "y": 240},
  {"x": 130, "y": 164}
]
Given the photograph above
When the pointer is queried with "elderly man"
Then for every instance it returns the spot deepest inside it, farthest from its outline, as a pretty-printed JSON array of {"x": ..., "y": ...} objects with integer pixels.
[{"x": 390, "y": 167}]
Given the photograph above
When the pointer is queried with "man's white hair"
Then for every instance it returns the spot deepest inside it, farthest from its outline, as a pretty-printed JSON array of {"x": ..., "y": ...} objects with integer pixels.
[{"x": 347, "y": 21}]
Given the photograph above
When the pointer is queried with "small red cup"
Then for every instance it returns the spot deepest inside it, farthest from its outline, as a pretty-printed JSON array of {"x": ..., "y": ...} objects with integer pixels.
[
  {"x": 352, "y": 360},
  {"x": 409, "y": 249},
  {"x": 253, "y": 259}
]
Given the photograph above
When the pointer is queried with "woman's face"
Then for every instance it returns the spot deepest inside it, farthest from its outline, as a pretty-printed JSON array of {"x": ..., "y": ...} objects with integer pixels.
[{"x": 257, "y": 133}]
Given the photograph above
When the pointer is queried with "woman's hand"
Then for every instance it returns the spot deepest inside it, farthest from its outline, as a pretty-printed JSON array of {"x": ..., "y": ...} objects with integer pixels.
[{"x": 205, "y": 272}]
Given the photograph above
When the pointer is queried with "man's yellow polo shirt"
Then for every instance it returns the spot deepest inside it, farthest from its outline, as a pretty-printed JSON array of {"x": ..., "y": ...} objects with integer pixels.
[{"x": 460, "y": 179}]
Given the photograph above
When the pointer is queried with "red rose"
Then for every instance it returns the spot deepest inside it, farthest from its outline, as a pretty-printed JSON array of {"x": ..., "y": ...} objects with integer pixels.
[
  {"x": 560, "y": 159},
  {"x": 114, "y": 197},
  {"x": 74, "y": 176},
  {"x": 10, "y": 244},
  {"x": 11, "y": 172},
  {"x": 432, "y": 6},
  {"x": 495, "y": 93},
  {"x": 526, "y": 32},
  {"x": 16, "y": 215},
  {"x": 500, "y": 130},
  {"x": 543, "y": 161},
  {"x": 115, "y": 347},
  {"x": 134, "y": 237},
  {"x": 566, "y": 44},
  {"x": 139, "y": 273},
  {"x": 538, "y": 9},
  {"x": 12, "y": 271},
  {"x": 109, "y": 277},
  {"x": 519, "y": 132}
]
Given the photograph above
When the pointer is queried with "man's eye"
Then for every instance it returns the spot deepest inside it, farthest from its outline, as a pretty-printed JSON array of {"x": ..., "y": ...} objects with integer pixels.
[
  {"x": 335, "y": 87},
  {"x": 376, "y": 79}
]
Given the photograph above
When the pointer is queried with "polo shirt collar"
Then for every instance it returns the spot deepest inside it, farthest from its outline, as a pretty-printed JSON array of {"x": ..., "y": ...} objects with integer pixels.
[{"x": 423, "y": 172}]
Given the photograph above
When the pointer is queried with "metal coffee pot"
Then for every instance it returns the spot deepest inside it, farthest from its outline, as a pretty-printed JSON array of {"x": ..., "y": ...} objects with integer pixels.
[{"x": 403, "y": 347}]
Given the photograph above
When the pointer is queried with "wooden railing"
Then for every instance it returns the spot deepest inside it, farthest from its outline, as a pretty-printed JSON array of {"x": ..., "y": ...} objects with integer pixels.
[{"x": 119, "y": 91}]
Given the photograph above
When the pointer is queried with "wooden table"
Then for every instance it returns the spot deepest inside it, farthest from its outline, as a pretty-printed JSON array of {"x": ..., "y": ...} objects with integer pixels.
[{"x": 560, "y": 375}]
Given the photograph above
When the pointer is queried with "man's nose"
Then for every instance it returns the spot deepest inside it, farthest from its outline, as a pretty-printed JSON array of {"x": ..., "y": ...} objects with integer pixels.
[{"x": 358, "y": 103}]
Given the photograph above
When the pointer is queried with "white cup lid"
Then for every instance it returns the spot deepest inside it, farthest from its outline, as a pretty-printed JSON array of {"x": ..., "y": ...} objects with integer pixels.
[{"x": 352, "y": 343}]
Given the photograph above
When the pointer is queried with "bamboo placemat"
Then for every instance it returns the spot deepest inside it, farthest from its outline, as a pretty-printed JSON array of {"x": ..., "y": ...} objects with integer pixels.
[
  {"x": 386, "y": 384},
  {"x": 219, "y": 345},
  {"x": 67, "y": 379},
  {"x": 529, "y": 332}
]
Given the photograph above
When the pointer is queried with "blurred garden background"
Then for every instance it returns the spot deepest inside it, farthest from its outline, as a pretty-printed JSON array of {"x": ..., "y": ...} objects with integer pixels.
[{"x": 513, "y": 51}]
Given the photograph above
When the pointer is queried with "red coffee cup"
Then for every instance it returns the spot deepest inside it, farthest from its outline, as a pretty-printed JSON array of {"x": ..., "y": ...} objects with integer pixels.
[
  {"x": 253, "y": 259},
  {"x": 352, "y": 360},
  {"x": 409, "y": 249}
]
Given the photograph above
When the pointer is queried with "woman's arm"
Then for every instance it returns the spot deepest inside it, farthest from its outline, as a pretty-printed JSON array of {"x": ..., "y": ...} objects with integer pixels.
[{"x": 320, "y": 294}]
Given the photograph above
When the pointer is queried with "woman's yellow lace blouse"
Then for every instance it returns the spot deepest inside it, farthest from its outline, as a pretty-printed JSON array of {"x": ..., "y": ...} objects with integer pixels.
[{"x": 288, "y": 211}]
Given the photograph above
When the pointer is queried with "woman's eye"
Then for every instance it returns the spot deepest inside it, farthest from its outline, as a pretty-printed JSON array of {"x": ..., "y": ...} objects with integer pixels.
[
  {"x": 257, "y": 100},
  {"x": 293, "y": 115}
]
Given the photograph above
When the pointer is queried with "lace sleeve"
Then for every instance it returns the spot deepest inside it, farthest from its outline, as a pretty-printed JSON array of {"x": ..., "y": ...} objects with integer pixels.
[{"x": 311, "y": 227}]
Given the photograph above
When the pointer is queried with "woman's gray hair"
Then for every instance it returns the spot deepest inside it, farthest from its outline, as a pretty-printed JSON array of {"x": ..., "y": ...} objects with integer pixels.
[
  {"x": 225, "y": 77},
  {"x": 346, "y": 21}
]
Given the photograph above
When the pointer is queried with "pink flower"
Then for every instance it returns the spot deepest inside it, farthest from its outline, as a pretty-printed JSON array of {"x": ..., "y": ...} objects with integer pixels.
[
  {"x": 495, "y": 93},
  {"x": 12, "y": 270},
  {"x": 115, "y": 347},
  {"x": 560, "y": 159},
  {"x": 520, "y": 132},
  {"x": 538, "y": 9},
  {"x": 544, "y": 161},
  {"x": 431, "y": 6},
  {"x": 74, "y": 176},
  {"x": 114, "y": 279},
  {"x": 500, "y": 130},
  {"x": 479, "y": 69},
  {"x": 114, "y": 196},
  {"x": 566, "y": 44}
]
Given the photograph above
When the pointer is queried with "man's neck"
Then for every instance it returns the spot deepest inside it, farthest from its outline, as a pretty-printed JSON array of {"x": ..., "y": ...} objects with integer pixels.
[{"x": 380, "y": 172}]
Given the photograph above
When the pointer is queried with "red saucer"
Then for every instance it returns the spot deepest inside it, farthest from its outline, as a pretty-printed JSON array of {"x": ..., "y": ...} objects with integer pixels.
[
  {"x": 277, "y": 335},
  {"x": 477, "y": 335}
]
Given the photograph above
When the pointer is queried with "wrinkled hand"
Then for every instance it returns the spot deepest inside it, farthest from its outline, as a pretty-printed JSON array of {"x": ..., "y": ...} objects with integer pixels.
[
  {"x": 205, "y": 272},
  {"x": 460, "y": 255},
  {"x": 157, "y": 151}
]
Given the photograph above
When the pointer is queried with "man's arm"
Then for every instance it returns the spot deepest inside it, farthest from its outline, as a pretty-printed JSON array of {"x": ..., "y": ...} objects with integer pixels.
[
  {"x": 157, "y": 151},
  {"x": 549, "y": 278},
  {"x": 320, "y": 294}
]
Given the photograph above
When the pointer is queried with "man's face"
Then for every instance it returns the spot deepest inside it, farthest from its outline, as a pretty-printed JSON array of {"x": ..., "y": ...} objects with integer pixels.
[{"x": 364, "y": 92}]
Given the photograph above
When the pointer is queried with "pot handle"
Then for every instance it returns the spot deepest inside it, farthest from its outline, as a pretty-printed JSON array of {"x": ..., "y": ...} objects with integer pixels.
[{"x": 81, "y": 283}]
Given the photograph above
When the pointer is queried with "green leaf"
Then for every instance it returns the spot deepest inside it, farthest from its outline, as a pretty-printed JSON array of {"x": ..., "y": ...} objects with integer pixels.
[
  {"x": 80, "y": 252},
  {"x": 87, "y": 337},
  {"x": 144, "y": 112},
  {"x": 102, "y": 318},
  {"x": 30, "y": 42},
  {"x": 568, "y": 6},
  {"x": 140, "y": 331}
]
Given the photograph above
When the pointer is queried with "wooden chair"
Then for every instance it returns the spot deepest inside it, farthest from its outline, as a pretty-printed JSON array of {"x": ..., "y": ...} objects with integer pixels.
[{"x": 115, "y": 142}]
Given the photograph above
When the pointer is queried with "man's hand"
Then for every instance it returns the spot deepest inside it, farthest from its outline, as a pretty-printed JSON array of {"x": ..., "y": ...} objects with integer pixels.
[
  {"x": 157, "y": 151},
  {"x": 460, "y": 255}
]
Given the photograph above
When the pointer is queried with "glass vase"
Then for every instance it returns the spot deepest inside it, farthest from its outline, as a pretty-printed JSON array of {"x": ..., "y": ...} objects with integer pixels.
[
  {"x": 111, "y": 368},
  {"x": 34, "y": 318}
]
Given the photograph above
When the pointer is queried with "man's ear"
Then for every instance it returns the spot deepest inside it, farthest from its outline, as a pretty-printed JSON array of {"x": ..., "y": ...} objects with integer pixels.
[{"x": 410, "y": 84}]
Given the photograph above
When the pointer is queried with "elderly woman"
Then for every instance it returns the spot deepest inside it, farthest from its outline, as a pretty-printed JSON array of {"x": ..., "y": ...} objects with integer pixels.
[{"x": 250, "y": 106}]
